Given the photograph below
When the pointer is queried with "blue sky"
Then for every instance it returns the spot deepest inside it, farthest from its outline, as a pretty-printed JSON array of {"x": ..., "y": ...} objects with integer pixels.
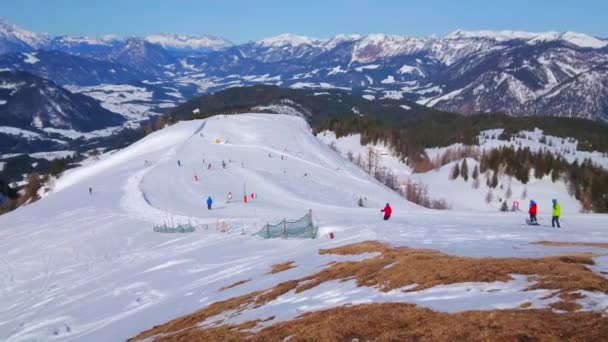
[{"x": 244, "y": 20}]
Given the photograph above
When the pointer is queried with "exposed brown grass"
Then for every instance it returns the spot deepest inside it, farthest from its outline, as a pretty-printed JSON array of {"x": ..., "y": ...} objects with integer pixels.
[
  {"x": 240, "y": 282},
  {"x": 426, "y": 269},
  {"x": 277, "y": 268},
  {"x": 572, "y": 244},
  {"x": 406, "y": 322}
]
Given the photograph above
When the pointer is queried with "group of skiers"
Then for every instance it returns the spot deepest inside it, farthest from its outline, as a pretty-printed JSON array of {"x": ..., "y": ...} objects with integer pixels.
[
  {"x": 557, "y": 212},
  {"x": 533, "y": 210}
]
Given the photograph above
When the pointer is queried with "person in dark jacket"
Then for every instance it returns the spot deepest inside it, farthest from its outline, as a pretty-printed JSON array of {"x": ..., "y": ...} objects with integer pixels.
[
  {"x": 387, "y": 212},
  {"x": 209, "y": 202}
]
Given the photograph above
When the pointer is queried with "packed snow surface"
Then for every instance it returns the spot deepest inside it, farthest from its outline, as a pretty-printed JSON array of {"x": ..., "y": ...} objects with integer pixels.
[{"x": 81, "y": 267}]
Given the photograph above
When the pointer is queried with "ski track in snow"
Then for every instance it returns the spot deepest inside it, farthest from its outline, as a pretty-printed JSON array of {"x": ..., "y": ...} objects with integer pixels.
[{"x": 79, "y": 267}]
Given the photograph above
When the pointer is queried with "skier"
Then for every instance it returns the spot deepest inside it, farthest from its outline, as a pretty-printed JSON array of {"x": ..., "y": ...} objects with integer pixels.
[
  {"x": 223, "y": 164},
  {"x": 229, "y": 196},
  {"x": 557, "y": 211},
  {"x": 90, "y": 191},
  {"x": 179, "y": 162},
  {"x": 209, "y": 202},
  {"x": 387, "y": 212},
  {"x": 532, "y": 211}
]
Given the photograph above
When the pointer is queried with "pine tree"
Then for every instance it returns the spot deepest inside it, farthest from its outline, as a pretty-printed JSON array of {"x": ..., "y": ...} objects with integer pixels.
[
  {"x": 464, "y": 170},
  {"x": 494, "y": 183},
  {"x": 455, "y": 172},
  {"x": 554, "y": 175},
  {"x": 476, "y": 172}
]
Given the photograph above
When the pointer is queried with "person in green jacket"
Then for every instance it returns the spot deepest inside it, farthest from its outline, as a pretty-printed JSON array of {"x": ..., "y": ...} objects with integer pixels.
[{"x": 557, "y": 211}]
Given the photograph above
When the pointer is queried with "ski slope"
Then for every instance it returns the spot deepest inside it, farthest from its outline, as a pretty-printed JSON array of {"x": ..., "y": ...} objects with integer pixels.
[{"x": 80, "y": 267}]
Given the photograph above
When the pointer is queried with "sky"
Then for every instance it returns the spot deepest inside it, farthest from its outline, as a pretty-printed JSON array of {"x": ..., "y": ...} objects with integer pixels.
[{"x": 245, "y": 20}]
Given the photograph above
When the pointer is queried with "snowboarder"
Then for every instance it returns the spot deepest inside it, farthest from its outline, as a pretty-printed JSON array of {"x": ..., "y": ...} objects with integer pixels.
[
  {"x": 557, "y": 211},
  {"x": 209, "y": 202},
  {"x": 532, "y": 211},
  {"x": 229, "y": 196},
  {"x": 387, "y": 212}
]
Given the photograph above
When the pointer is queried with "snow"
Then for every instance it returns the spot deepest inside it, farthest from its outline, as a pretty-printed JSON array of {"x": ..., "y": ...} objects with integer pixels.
[
  {"x": 193, "y": 42},
  {"x": 82, "y": 267},
  {"x": 279, "y": 109},
  {"x": 13, "y": 33},
  {"x": 461, "y": 195},
  {"x": 72, "y": 134},
  {"x": 447, "y": 298},
  {"x": 102, "y": 40},
  {"x": 52, "y": 154},
  {"x": 286, "y": 39},
  {"x": 393, "y": 94},
  {"x": 367, "y": 67},
  {"x": 135, "y": 103},
  {"x": 352, "y": 144},
  {"x": 369, "y": 97},
  {"x": 18, "y": 131},
  {"x": 408, "y": 69},
  {"x": 578, "y": 39},
  {"x": 388, "y": 80},
  {"x": 30, "y": 58},
  {"x": 495, "y": 35},
  {"x": 445, "y": 97},
  {"x": 322, "y": 85}
]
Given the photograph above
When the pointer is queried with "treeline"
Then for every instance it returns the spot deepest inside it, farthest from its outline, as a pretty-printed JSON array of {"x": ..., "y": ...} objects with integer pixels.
[
  {"x": 410, "y": 138},
  {"x": 415, "y": 192},
  {"x": 586, "y": 181},
  {"x": 12, "y": 198}
]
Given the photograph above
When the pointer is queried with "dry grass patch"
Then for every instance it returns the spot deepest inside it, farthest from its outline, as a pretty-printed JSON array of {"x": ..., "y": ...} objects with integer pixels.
[
  {"x": 240, "y": 282},
  {"x": 572, "y": 244},
  {"x": 426, "y": 268},
  {"x": 407, "y": 322},
  {"x": 277, "y": 268}
]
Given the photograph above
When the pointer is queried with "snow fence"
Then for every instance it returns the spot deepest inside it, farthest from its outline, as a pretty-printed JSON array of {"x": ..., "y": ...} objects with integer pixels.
[{"x": 302, "y": 228}]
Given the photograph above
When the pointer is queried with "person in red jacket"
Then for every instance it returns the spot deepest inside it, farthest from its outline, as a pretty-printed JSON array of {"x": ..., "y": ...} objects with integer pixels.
[
  {"x": 387, "y": 212},
  {"x": 532, "y": 211}
]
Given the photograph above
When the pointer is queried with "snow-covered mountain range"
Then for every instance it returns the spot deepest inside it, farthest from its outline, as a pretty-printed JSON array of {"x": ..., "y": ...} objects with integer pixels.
[{"x": 519, "y": 73}]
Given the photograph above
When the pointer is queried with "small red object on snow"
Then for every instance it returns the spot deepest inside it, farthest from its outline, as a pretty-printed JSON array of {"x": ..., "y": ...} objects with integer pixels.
[
  {"x": 195, "y": 178},
  {"x": 245, "y": 198},
  {"x": 331, "y": 235}
]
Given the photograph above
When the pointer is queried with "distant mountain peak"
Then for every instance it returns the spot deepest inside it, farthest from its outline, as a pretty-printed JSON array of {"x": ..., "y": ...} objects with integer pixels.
[
  {"x": 575, "y": 38},
  {"x": 11, "y": 33},
  {"x": 188, "y": 42},
  {"x": 287, "y": 39}
]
